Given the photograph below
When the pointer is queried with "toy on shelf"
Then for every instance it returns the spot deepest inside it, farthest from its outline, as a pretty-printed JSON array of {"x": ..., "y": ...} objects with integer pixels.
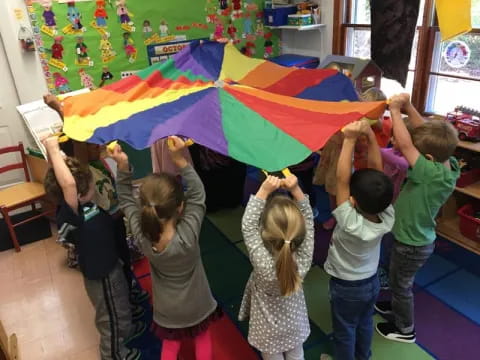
[{"x": 467, "y": 123}]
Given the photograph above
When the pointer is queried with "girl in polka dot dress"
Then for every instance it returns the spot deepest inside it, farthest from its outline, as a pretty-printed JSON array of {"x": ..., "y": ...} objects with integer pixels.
[{"x": 279, "y": 236}]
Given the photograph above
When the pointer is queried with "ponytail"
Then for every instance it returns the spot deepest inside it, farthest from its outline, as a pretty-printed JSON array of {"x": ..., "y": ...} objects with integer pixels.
[
  {"x": 287, "y": 270},
  {"x": 283, "y": 232},
  {"x": 151, "y": 225}
]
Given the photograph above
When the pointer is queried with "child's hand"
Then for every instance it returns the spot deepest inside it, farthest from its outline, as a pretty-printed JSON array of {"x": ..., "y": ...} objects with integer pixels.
[
  {"x": 353, "y": 130},
  {"x": 399, "y": 102},
  {"x": 52, "y": 101},
  {"x": 120, "y": 157},
  {"x": 270, "y": 184},
  {"x": 176, "y": 146},
  {"x": 290, "y": 182},
  {"x": 51, "y": 143}
]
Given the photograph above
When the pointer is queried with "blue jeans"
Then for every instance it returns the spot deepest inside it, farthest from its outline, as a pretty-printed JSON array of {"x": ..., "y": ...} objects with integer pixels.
[{"x": 352, "y": 310}]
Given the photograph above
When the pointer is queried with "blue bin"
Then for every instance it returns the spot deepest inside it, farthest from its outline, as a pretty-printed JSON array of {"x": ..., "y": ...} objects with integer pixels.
[
  {"x": 278, "y": 16},
  {"x": 299, "y": 61}
]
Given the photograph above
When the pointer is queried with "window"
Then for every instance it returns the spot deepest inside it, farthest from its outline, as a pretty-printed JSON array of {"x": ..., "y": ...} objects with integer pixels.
[{"x": 439, "y": 88}]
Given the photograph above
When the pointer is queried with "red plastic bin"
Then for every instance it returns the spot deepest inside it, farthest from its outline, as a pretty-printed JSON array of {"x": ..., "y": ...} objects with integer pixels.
[
  {"x": 469, "y": 225},
  {"x": 468, "y": 178}
]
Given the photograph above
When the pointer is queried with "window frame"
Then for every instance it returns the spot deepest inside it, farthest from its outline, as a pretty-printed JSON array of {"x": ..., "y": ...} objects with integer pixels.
[{"x": 425, "y": 50}]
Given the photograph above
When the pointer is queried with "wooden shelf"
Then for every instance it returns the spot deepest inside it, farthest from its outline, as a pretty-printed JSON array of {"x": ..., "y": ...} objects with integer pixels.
[
  {"x": 472, "y": 146},
  {"x": 449, "y": 229},
  {"x": 299, "y": 28},
  {"x": 472, "y": 190}
]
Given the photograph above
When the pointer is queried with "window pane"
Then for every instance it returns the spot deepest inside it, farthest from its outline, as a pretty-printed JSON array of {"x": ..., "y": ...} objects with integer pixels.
[
  {"x": 360, "y": 12},
  {"x": 476, "y": 13},
  {"x": 358, "y": 43},
  {"x": 393, "y": 87},
  {"x": 445, "y": 93},
  {"x": 449, "y": 57}
]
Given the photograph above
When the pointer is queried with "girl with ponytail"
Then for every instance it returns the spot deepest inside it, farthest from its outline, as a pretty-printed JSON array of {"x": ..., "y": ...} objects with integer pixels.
[
  {"x": 279, "y": 236},
  {"x": 166, "y": 224}
]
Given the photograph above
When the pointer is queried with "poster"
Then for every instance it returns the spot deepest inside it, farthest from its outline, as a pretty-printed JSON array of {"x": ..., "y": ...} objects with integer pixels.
[{"x": 88, "y": 44}]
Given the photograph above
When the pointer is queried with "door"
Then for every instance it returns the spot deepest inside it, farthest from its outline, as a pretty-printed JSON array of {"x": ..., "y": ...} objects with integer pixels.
[{"x": 12, "y": 126}]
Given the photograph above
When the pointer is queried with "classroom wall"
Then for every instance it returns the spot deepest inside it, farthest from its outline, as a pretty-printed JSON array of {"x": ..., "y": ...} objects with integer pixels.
[{"x": 25, "y": 67}]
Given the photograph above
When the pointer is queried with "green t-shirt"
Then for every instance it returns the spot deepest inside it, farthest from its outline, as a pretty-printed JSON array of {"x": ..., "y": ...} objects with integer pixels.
[{"x": 428, "y": 186}]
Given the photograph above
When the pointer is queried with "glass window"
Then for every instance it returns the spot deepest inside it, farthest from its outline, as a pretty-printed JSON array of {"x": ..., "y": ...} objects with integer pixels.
[
  {"x": 360, "y": 13},
  {"x": 358, "y": 43},
  {"x": 459, "y": 57},
  {"x": 476, "y": 13}
]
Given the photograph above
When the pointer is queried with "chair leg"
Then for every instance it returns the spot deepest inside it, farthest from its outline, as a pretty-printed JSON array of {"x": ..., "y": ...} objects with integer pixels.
[{"x": 11, "y": 229}]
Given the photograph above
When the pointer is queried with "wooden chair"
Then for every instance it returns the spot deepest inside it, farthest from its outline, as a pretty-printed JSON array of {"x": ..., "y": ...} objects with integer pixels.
[
  {"x": 19, "y": 195},
  {"x": 8, "y": 345}
]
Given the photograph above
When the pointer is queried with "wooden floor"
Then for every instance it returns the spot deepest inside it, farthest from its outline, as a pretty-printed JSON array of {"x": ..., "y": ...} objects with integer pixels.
[{"x": 45, "y": 304}]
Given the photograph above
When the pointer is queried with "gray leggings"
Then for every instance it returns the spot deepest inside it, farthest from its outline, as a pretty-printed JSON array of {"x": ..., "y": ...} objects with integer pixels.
[{"x": 294, "y": 354}]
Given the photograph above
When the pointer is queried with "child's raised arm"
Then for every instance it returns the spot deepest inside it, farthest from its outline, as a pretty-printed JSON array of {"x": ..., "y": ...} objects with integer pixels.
[
  {"x": 344, "y": 167},
  {"x": 403, "y": 139},
  {"x": 413, "y": 115},
  {"x": 62, "y": 173},
  {"x": 374, "y": 154}
]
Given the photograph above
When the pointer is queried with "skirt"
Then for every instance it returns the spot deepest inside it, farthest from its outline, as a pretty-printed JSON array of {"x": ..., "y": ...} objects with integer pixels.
[{"x": 191, "y": 332}]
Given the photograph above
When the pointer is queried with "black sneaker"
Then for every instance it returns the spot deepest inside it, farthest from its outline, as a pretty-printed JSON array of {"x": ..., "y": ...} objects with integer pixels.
[
  {"x": 137, "y": 312},
  {"x": 137, "y": 331},
  {"x": 133, "y": 354},
  {"x": 391, "y": 332},
  {"x": 138, "y": 296},
  {"x": 383, "y": 307}
]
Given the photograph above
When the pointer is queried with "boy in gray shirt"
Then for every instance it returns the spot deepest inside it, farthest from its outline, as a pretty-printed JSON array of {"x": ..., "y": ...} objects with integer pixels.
[{"x": 363, "y": 215}]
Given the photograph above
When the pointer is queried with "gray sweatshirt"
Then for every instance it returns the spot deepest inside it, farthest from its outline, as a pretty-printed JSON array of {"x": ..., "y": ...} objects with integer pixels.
[{"x": 181, "y": 293}]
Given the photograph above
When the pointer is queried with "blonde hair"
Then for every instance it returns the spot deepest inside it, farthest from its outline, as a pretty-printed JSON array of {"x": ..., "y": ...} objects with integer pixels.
[
  {"x": 283, "y": 231},
  {"x": 373, "y": 94},
  {"x": 160, "y": 197},
  {"x": 81, "y": 173},
  {"x": 437, "y": 138}
]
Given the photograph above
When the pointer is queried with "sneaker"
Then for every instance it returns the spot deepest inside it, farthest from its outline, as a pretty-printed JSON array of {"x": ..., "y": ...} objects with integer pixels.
[
  {"x": 383, "y": 307},
  {"x": 133, "y": 354},
  {"x": 391, "y": 332},
  {"x": 383, "y": 278},
  {"x": 138, "y": 330},
  {"x": 138, "y": 296},
  {"x": 137, "y": 312}
]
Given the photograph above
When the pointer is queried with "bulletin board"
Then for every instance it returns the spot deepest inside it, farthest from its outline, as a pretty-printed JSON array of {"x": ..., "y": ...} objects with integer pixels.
[{"x": 90, "y": 43}]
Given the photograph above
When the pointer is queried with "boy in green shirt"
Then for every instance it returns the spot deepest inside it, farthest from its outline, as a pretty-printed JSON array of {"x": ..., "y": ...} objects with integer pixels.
[{"x": 431, "y": 180}]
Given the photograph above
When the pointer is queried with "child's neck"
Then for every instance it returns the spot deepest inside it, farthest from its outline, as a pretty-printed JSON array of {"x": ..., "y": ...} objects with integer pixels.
[{"x": 372, "y": 218}]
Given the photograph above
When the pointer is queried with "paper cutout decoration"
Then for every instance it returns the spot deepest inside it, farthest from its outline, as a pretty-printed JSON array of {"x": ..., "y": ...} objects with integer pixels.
[
  {"x": 106, "y": 50},
  {"x": 147, "y": 29},
  {"x": 250, "y": 109},
  {"x": 100, "y": 14},
  {"x": 81, "y": 51},
  {"x": 49, "y": 16},
  {"x": 122, "y": 12},
  {"x": 129, "y": 47},
  {"x": 61, "y": 83},
  {"x": 86, "y": 80},
  {"x": 454, "y": 17},
  {"x": 74, "y": 16},
  {"x": 57, "y": 48},
  {"x": 106, "y": 76},
  {"x": 163, "y": 28}
]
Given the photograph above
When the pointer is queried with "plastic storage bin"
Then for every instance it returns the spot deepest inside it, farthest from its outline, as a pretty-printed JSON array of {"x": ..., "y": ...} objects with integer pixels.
[
  {"x": 300, "y": 19},
  {"x": 469, "y": 225},
  {"x": 278, "y": 16},
  {"x": 300, "y": 61}
]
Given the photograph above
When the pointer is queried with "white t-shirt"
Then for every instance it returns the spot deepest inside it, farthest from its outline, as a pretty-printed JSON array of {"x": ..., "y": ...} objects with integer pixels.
[{"x": 355, "y": 247}]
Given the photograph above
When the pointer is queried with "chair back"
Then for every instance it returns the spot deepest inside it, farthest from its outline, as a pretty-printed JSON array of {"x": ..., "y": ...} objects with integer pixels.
[{"x": 20, "y": 165}]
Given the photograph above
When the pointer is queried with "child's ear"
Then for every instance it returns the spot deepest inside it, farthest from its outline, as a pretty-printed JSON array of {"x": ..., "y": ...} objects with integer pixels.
[
  {"x": 352, "y": 201},
  {"x": 429, "y": 157}
]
